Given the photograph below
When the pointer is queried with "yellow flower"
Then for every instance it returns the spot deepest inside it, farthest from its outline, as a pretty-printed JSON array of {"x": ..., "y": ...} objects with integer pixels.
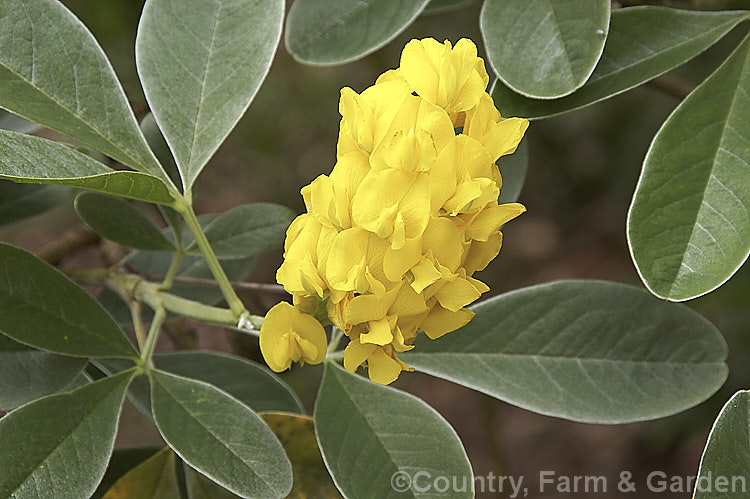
[
  {"x": 499, "y": 136},
  {"x": 453, "y": 78},
  {"x": 392, "y": 237},
  {"x": 382, "y": 364},
  {"x": 288, "y": 335}
]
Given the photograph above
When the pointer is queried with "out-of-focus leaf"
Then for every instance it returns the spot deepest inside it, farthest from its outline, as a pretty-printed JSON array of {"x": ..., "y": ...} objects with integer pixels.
[
  {"x": 513, "y": 170},
  {"x": 443, "y": 6},
  {"x": 201, "y": 487},
  {"x": 643, "y": 43},
  {"x": 53, "y": 72},
  {"x": 58, "y": 446},
  {"x": 34, "y": 160},
  {"x": 27, "y": 374},
  {"x": 155, "y": 478},
  {"x": 331, "y": 32},
  {"x": 544, "y": 50},
  {"x": 399, "y": 434},
  {"x": 201, "y": 64},
  {"x": 159, "y": 146},
  {"x": 249, "y": 230},
  {"x": 19, "y": 202},
  {"x": 219, "y": 436},
  {"x": 122, "y": 461},
  {"x": 689, "y": 223},
  {"x": 41, "y": 307},
  {"x": 9, "y": 121},
  {"x": 297, "y": 435},
  {"x": 725, "y": 463},
  {"x": 589, "y": 351},
  {"x": 119, "y": 221}
]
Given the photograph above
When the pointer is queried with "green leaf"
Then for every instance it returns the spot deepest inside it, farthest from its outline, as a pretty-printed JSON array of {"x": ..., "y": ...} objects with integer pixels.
[
  {"x": 398, "y": 433},
  {"x": 513, "y": 170},
  {"x": 201, "y": 64},
  {"x": 27, "y": 374},
  {"x": 219, "y": 436},
  {"x": 53, "y": 72},
  {"x": 443, "y": 6},
  {"x": 331, "y": 32},
  {"x": 544, "y": 50},
  {"x": 248, "y": 382},
  {"x": 41, "y": 307},
  {"x": 588, "y": 351},
  {"x": 249, "y": 230},
  {"x": 727, "y": 453},
  {"x": 689, "y": 223},
  {"x": 19, "y": 202},
  {"x": 297, "y": 435},
  {"x": 9, "y": 121},
  {"x": 34, "y": 160},
  {"x": 154, "y": 478},
  {"x": 119, "y": 221},
  {"x": 122, "y": 461},
  {"x": 58, "y": 446},
  {"x": 643, "y": 43}
]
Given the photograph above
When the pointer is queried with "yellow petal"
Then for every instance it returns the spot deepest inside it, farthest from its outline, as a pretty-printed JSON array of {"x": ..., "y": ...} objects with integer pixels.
[
  {"x": 354, "y": 252},
  {"x": 386, "y": 193},
  {"x": 379, "y": 332},
  {"x": 491, "y": 219},
  {"x": 382, "y": 368},
  {"x": 366, "y": 308},
  {"x": 398, "y": 261},
  {"x": 425, "y": 274},
  {"x": 481, "y": 253},
  {"x": 444, "y": 240},
  {"x": 356, "y": 353},
  {"x": 441, "y": 321},
  {"x": 452, "y": 78},
  {"x": 279, "y": 334},
  {"x": 350, "y": 170},
  {"x": 458, "y": 293}
]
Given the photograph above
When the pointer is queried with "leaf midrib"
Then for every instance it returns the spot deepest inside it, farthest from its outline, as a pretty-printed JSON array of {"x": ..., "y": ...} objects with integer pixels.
[
  {"x": 560, "y": 358},
  {"x": 719, "y": 142},
  {"x": 647, "y": 60},
  {"x": 190, "y": 166},
  {"x": 364, "y": 413}
]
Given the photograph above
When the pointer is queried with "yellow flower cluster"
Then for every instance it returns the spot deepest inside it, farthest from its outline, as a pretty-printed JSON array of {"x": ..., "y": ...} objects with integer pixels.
[{"x": 392, "y": 236}]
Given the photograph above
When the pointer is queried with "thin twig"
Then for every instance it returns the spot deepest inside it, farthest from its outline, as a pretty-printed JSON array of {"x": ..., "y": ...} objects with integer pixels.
[
  {"x": 261, "y": 287},
  {"x": 671, "y": 85},
  {"x": 71, "y": 241}
]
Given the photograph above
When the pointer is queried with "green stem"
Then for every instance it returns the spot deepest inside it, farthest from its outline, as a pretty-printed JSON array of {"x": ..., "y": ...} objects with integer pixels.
[
  {"x": 153, "y": 335},
  {"x": 234, "y": 302},
  {"x": 128, "y": 285},
  {"x": 179, "y": 254},
  {"x": 336, "y": 335},
  {"x": 334, "y": 356},
  {"x": 135, "y": 312}
]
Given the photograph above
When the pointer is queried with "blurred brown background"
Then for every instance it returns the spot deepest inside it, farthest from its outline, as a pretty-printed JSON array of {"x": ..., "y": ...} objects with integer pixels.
[{"x": 582, "y": 172}]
